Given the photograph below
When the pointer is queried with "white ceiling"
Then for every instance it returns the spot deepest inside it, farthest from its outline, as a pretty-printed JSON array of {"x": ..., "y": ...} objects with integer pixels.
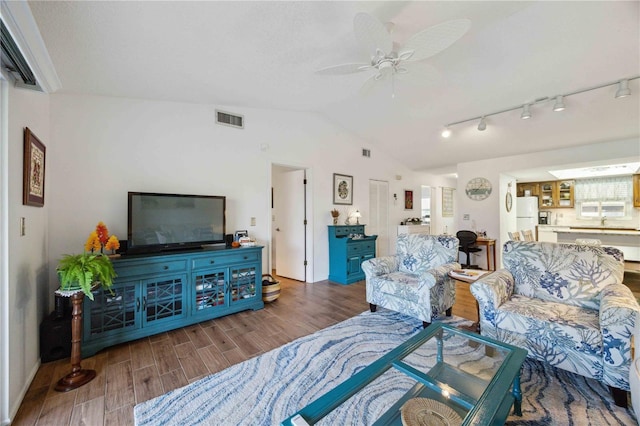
[{"x": 265, "y": 54}]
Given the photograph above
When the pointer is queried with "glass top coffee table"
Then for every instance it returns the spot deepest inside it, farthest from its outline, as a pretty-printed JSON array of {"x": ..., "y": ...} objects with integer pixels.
[{"x": 442, "y": 375}]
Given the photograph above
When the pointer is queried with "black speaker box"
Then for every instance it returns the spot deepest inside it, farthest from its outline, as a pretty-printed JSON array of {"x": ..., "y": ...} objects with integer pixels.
[
  {"x": 55, "y": 338},
  {"x": 228, "y": 239},
  {"x": 123, "y": 247}
]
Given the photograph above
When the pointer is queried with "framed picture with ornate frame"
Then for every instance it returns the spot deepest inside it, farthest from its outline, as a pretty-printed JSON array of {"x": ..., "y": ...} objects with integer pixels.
[
  {"x": 342, "y": 189},
  {"x": 33, "y": 170}
]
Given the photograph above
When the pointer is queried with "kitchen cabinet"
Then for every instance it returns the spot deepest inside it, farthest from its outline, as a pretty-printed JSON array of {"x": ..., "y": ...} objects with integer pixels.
[
  {"x": 636, "y": 190},
  {"x": 532, "y": 187},
  {"x": 557, "y": 194}
]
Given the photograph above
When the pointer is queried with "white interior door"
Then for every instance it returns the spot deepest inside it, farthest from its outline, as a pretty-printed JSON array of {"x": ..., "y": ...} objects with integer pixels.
[
  {"x": 289, "y": 224},
  {"x": 379, "y": 215}
]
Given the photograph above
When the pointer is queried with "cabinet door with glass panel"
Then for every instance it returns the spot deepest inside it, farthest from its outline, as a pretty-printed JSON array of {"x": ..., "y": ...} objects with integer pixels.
[
  {"x": 565, "y": 193},
  {"x": 547, "y": 194}
]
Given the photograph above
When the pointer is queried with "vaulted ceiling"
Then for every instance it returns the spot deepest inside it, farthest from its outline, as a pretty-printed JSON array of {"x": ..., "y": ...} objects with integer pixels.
[{"x": 266, "y": 54}]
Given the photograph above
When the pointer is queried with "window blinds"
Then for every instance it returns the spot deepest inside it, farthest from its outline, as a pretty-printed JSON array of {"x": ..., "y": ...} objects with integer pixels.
[{"x": 615, "y": 188}]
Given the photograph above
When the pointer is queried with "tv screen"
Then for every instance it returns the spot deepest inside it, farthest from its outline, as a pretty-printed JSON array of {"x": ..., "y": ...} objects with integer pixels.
[{"x": 158, "y": 222}]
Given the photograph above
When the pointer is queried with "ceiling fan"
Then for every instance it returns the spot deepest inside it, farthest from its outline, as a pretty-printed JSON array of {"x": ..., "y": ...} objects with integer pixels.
[{"x": 387, "y": 59}]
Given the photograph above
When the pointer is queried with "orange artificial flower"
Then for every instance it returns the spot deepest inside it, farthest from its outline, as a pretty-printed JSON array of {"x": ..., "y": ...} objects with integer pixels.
[
  {"x": 103, "y": 233},
  {"x": 113, "y": 244},
  {"x": 93, "y": 243}
]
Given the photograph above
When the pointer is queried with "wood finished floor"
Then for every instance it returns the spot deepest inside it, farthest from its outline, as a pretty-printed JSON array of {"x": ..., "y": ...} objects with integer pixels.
[{"x": 134, "y": 372}]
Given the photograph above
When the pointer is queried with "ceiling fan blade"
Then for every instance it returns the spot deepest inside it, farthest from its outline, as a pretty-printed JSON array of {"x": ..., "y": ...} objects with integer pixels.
[
  {"x": 435, "y": 39},
  {"x": 343, "y": 69},
  {"x": 372, "y": 35},
  {"x": 368, "y": 85}
]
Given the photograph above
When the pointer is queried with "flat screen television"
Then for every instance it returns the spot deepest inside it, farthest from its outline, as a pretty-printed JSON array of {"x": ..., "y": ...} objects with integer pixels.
[{"x": 162, "y": 222}]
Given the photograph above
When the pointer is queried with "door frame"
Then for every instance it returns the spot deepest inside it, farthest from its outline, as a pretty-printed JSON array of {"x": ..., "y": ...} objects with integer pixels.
[{"x": 308, "y": 212}]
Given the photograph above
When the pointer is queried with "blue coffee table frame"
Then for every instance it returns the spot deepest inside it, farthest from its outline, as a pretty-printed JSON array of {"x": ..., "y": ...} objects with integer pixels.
[{"x": 475, "y": 403}]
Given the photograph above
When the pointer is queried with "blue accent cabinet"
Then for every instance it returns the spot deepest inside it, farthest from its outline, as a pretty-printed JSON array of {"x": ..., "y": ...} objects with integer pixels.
[
  {"x": 348, "y": 248},
  {"x": 160, "y": 292}
]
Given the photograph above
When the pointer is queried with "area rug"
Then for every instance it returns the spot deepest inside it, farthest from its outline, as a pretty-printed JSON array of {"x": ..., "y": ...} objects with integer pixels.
[{"x": 269, "y": 388}]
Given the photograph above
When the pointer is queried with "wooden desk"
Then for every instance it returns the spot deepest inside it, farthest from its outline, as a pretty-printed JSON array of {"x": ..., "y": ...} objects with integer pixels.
[{"x": 488, "y": 243}]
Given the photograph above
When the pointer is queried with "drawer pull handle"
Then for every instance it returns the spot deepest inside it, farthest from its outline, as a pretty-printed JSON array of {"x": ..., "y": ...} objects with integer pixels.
[
  {"x": 165, "y": 267},
  {"x": 212, "y": 262},
  {"x": 245, "y": 257},
  {"x": 144, "y": 303}
]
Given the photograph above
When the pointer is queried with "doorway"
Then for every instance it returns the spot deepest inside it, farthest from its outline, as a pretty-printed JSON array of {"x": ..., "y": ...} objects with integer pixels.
[
  {"x": 379, "y": 215},
  {"x": 290, "y": 236}
]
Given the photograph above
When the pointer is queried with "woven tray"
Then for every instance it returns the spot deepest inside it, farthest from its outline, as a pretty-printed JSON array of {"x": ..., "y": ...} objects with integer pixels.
[{"x": 428, "y": 412}]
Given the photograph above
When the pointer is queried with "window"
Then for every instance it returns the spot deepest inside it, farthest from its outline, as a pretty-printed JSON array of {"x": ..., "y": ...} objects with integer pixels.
[
  {"x": 600, "y": 209},
  {"x": 608, "y": 197}
]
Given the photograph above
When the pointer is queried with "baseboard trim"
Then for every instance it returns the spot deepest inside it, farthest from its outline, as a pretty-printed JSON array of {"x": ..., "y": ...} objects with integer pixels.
[{"x": 23, "y": 392}]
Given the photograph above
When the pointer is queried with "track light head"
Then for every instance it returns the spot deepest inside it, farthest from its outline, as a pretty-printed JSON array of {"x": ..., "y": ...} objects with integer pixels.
[
  {"x": 623, "y": 89},
  {"x": 526, "y": 113},
  {"x": 482, "y": 126},
  {"x": 559, "y": 105},
  {"x": 446, "y": 132}
]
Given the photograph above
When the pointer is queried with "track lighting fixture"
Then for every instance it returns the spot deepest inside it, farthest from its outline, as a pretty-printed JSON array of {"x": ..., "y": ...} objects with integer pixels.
[
  {"x": 559, "y": 105},
  {"x": 623, "y": 89}
]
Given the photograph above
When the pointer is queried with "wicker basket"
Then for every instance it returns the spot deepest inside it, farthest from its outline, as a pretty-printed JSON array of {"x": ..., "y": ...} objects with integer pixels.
[{"x": 270, "y": 288}]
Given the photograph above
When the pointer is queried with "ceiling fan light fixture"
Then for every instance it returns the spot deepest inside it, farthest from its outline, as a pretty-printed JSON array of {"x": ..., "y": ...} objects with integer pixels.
[
  {"x": 526, "y": 113},
  {"x": 446, "y": 132},
  {"x": 623, "y": 89},
  {"x": 559, "y": 105},
  {"x": 482, "y": 126}
]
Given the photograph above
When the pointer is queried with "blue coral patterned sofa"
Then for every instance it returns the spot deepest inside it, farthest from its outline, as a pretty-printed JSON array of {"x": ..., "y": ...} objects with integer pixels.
[
  {"x": 415, "y": 281},
  {"x": 565, "y": 304}
]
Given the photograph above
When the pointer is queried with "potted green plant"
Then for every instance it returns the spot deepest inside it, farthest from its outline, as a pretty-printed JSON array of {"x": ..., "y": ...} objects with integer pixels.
[{"x": 83, "y": 271}]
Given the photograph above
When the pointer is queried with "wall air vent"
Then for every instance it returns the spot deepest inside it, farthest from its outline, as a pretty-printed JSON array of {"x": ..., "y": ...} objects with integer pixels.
[
  {"x": 14, "y": 62},
  {"x": 229, "y": 119},
  {"x": 366, "y": 152}
]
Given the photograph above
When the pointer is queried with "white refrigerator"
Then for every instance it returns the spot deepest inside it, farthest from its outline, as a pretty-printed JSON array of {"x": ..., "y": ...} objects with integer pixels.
[{"x": 527, "y": 213}]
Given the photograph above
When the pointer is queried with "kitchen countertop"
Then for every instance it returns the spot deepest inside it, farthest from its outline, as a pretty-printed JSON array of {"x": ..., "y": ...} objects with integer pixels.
[{"x": 601, "y": 231}]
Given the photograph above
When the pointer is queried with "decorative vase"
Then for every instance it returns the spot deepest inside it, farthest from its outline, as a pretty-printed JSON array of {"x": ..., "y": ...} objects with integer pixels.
[{"x": 335, "y": 220}]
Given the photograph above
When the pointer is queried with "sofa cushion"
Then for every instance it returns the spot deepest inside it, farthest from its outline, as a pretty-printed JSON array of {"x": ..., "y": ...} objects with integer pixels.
[
  {"x": 557, "y": 324},
  {"x": 419, "y": 253},
  {"x": 400, "y": 284},
  {"x": 566, "y": 273}
]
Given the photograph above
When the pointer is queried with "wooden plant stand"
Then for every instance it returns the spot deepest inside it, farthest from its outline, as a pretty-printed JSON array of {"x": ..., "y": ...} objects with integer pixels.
[{"x": 78, "y": 376}]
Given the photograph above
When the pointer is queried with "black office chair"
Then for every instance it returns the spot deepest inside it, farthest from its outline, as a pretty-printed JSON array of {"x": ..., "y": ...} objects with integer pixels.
[{"x": 468, "y": 245}]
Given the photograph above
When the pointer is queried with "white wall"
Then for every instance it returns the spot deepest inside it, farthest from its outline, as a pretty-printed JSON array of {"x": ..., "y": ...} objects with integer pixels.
[
  {"x": 28, "y": 292},
  {"x": 108, "y": 146},
  {"x": 490, "y": 213}
]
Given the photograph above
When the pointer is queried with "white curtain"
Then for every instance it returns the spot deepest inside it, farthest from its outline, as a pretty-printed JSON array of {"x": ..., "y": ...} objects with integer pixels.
[{"x": 615, "y": 188}]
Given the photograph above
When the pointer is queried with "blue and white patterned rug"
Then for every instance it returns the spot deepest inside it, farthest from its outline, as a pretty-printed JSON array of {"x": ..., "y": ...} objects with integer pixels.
[{"x": 271, "y": 387}]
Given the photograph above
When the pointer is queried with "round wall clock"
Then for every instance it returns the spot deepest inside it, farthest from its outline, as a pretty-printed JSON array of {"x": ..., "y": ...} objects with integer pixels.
[
  {"x": 478, "y": 188},
  {"x": 508, "y": 202}
]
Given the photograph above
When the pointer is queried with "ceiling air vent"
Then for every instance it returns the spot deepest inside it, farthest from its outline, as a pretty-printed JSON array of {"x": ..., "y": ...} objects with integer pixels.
[
  {"x": 366, "y": 152},
  {"x": 14, "y": 62},
  {"x": 228, "y": 119}
]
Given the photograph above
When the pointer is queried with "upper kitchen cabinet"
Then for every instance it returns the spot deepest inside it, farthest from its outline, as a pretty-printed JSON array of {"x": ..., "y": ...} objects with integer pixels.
[
  {"x": 528, "y": 189},
  {"x": 557, "y": 194},
  {"x": 636, "y": 190}
]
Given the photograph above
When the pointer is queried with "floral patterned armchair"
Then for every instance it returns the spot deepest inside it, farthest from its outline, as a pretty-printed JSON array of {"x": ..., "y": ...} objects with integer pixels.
[
  {"x": 565, "y": 304},
  {"x": 415, "y": 281}
]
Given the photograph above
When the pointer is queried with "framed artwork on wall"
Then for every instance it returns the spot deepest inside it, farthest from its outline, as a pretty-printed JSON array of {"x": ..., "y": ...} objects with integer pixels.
[
  {"x": 342, "y": 189},
  {"x": 447, "y": 202},
  {"x": 408, "y": 199},
  {"x": 33, "y": 170}
]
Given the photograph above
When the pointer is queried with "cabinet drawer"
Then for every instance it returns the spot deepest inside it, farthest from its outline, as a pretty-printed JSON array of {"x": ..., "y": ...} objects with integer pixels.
[
  {"x": 152, "y": 268},
  {"x": 361, "y": 247},
  {"x": 209, "y": 261}
]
